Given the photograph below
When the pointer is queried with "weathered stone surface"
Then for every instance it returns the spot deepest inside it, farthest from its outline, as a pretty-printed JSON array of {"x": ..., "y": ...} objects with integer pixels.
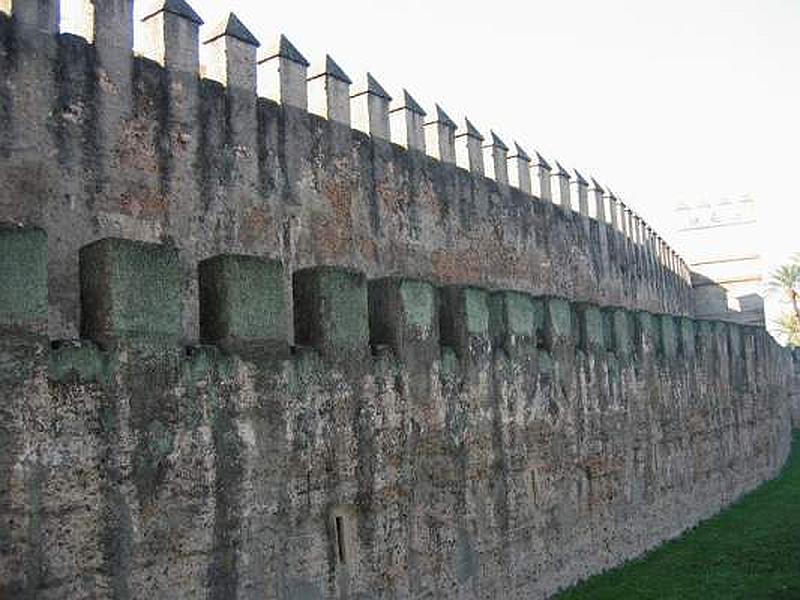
[
  {"x": 216, "y": 171},
  {"x": 431, "y": 434},
  {"x": 331, "y": 311},
  {"x": 130, "y": 289},
  {"x": 512, "y": 319},
  {"x": 23, "y": 278},
  {"x": 243, "y": 303},
  {"x": 159, "y": 469}
]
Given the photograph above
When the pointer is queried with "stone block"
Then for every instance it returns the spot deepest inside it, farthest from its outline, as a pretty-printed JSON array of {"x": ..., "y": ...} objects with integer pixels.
[
  {"x": 558, "y": 325},
  {"x": 130, "y": 290},
  {"x": 243, "y": 303},
  {"x": 720, "y": 336},
  {"x": 608, "y": 329},
  {"x": 538, "y": 322},
  {"x": 23, "y": 273},
  {"x": 77, "y": 361},
  {"x": 623, "y": 334},
  {"x": 590, "y": 328},
  {"x": 465, "y": 318},
  {"x": 403, "y": 314},
  {"x": 331, "y": 310},
  {"x": 735, "y": 343},
  {"x": 669, "y": 341},
  {"x": 646, "y": 334},
  {"x": 512, "y": 318},
  {"x": 703, "y": 341},
  {"x": 687, "y": 336}
]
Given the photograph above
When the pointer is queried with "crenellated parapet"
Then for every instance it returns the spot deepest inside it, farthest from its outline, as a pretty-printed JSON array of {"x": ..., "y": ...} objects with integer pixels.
[
  {"x": 267, "y": 331},
  {"x": 225, "y": 144},
  {"x": 322, "y": 406},
  {"x": 132, "y": 291}
]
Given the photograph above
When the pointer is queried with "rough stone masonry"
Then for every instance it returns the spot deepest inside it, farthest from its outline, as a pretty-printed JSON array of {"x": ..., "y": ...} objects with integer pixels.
[{"x": 247, "y": 351}]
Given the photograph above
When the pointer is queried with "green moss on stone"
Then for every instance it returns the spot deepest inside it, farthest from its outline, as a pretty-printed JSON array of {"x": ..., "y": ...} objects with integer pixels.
[
  {"x": 668, "y": 340},
  {"x": 558, "y": 320},
  {"x": 687, "y": 333},
  {"x": 130, "y": 289},
  {"x": 520, "y": 314},
  {"x": 450, "y": 364},
  {"x": 199, "y": 363},
  {"x": 331, "y": 309},
  {"x": 545, "y": 363},
  {"x": 623, "y": 338},
  {"x": 511, "y": 315},
  {"x": 23, "y": 274},
  {"x": 82, "y": 361},
  {"x": 419, "y": 304},
  {"x": 646, "y": 330},
  {"x": 592, "y": 334},
  {"x": 243, "y": 297},
  {"x": 538, "y": 316},
  {"x": 476, "y": 311}
]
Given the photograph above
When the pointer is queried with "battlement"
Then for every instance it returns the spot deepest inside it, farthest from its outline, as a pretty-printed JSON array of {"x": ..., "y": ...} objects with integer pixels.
[
  {"x": 211, "y": 144},
  {"x": 267, "y": 333},
  {"x": 132, "y": 292},
  {"x": 322, "y": 407}
]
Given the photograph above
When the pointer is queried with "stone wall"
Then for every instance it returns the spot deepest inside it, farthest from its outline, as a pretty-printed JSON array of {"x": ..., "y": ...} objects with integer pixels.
[
  {"x": 249, "y": 352},
  {"x": 98, "y": 143},
  {"x": 422, "y": 442}
]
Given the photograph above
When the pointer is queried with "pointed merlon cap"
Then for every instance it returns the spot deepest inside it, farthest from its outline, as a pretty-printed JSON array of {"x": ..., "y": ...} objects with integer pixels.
[
  {"x": 176, "y": 7},
  {"x": 561, "y": 171},
  {"x": 331, "y": 69},
  {"x": 283, "y": 48},
  {"x": 233, "y": 27},
  {"x": 408, "y": 103},
  {"x": 520, "y": 153},
  {"x": 579, "y": 178},
  {"x": 371, "y": 86},
  {"x": 541, "y": 162},
  {"x": 443, "y": 118},
  {"x": 470, "y": 131},
  {"x": 596, "y": 187},
  {"x": 496, "y": 142}
]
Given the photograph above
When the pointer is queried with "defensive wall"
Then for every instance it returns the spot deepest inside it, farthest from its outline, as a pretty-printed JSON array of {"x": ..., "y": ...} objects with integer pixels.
[
  {"x": 251, "y": 352},
  {"x": 97, "y": 142}
]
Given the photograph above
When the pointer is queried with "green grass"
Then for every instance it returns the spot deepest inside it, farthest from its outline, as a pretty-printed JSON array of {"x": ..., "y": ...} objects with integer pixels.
[{"x": 751, "y": 550}]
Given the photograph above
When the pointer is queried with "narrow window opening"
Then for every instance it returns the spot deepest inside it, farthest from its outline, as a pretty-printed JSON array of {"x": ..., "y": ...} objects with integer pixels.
[{"x": 340, "y": 542}]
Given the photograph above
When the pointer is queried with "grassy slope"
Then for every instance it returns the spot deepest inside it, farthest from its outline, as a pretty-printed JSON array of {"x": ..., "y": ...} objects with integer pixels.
[{"x": 751, "y": 550}]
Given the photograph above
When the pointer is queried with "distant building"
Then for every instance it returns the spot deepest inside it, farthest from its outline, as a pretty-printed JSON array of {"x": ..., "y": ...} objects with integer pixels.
[{"x": 720, "y": 241}]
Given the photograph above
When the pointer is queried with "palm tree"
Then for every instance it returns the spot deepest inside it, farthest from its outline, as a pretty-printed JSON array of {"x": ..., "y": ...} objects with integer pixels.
[
  {"x": 786, "y": 279},
  {"x": 789, "y": 327}
]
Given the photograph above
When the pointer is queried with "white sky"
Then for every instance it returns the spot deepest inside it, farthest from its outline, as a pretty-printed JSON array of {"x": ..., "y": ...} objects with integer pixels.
[{"x": 664, "y": 102}]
